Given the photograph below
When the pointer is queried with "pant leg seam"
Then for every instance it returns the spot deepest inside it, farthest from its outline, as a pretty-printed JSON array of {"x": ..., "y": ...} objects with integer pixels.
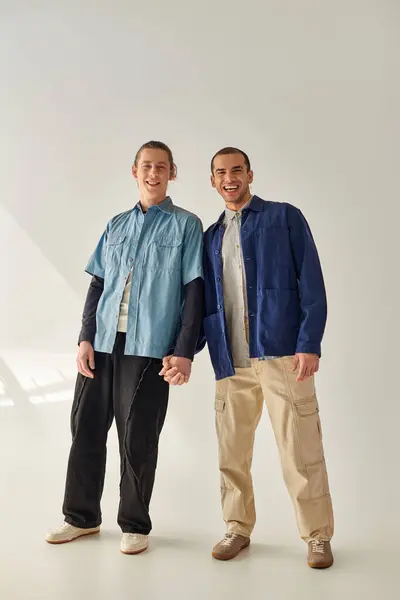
[
  {"x": 76, "y": 407},
  {"x": 124, "y": 445}
]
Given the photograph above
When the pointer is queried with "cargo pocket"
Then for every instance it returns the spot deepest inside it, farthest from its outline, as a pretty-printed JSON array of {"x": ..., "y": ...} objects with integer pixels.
[
  {"x": 219, "y": 404},
  {"x": 317, "y": 481},
  {"x": 309, "y": 431}
]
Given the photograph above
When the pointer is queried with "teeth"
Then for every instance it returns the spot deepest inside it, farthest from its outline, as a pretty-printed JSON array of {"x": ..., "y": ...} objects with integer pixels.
[{"x": 231, "y": 188}]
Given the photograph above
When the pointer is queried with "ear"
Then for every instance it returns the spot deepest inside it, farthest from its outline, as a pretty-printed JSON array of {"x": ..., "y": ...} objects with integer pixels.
[
  {"x": 251, "y": 176},
  {"x": 212, "y": 179},
  {"x": 173, "y": 173},
  {"x": 134, "y": 171}
]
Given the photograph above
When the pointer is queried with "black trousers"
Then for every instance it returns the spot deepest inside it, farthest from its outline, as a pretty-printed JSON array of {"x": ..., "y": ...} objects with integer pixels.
[{"x": 129, "y": 388}]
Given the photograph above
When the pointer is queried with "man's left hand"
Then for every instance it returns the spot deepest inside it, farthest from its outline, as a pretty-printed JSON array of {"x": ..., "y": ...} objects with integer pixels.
[
  {"x": 176, "y": 370},
  {"x": 308, "y": 364}
]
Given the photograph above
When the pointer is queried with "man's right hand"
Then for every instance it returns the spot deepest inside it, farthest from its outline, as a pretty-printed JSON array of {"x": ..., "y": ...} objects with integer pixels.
[
  {"x": 85, "y": 359},
  {"x": 176, "y": 370}
]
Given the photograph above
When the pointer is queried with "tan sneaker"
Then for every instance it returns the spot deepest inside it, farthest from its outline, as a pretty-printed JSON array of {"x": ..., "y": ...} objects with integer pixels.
[
  {"x": 319, "y": 554},
  {"x": 133, "y": 543},
  {"x": 67, "y": 533},
  {"x": 230, "y": 546}
]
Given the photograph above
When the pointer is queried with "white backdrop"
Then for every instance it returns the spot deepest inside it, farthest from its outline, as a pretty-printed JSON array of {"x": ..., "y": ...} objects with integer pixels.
[{"x": 311, "y": 91}]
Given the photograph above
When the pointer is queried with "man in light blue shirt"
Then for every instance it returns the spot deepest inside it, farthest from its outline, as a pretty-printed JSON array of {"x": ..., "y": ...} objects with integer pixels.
[
  {"x": 145, "y": 302},
  {"x": 161, "y": 249}
]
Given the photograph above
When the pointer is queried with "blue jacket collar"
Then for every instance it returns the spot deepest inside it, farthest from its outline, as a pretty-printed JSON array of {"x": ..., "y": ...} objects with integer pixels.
[{"x": 256, "y": 205}]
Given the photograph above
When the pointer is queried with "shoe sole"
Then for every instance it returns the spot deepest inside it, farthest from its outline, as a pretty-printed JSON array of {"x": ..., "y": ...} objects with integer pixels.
[
  {"x": 134, "y": 551},
  {"x": 320, "y": 566},
  {"x": 224, "y": 557},
  {"x": 57, "y": 542}
]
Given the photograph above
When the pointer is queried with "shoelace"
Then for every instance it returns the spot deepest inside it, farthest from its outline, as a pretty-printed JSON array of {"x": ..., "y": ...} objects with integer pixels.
[
  {"x": 229, "y": 539},
  {"x": 318, "y": 546}
]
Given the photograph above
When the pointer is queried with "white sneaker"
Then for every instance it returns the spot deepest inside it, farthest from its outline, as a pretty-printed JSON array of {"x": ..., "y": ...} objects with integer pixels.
[
  {"x": 67, "y": 533},
  {"x": 133, "y": 543}
]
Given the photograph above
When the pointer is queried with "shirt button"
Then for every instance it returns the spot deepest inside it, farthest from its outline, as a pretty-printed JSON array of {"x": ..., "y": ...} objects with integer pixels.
[
  {"x": 219, "y": 279},
  {"x": 219, "y": 307},
  {"x": 250, "y": 287},
  {"x": 217, "y": 252},
  {"x": 247, "y": 259}
]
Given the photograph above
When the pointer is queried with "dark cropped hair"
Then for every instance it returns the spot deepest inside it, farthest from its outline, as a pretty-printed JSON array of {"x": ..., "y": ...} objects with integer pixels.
[{"x": 231, "y": 150}]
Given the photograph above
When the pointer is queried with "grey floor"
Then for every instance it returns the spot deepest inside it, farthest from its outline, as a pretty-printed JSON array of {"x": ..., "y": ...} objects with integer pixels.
[{"x": 34, "y": 442}]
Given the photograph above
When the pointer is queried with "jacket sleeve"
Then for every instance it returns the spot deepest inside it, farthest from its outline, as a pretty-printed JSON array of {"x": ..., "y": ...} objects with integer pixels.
[{"x": 310, "y": 282}]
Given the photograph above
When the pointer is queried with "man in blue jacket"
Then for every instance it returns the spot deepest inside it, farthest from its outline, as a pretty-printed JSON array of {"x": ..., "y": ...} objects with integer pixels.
[{"x": 265, "y": 318}]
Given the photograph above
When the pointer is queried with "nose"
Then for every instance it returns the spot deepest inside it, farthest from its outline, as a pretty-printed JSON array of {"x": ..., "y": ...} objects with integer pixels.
[{"x": 229, "y": 178}]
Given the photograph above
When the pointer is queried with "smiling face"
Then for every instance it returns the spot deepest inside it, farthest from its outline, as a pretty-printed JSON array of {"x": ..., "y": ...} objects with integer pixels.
[
  {"x": 153, "y": 171},
  {"x": 232, "y": 178}
]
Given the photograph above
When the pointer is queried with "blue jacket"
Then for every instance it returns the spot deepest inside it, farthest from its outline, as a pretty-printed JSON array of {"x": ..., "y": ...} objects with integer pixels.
[{"x": 285, "y": 287}]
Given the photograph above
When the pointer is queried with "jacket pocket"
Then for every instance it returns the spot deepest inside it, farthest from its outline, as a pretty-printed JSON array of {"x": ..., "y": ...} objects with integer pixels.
[{"x": 280, "y": 312}]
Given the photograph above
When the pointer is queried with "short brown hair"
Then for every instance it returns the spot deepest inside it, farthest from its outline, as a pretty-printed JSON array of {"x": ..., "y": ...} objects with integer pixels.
[
  {"x": 154, "y": 145},
  {"x": 231, "y": 150}
]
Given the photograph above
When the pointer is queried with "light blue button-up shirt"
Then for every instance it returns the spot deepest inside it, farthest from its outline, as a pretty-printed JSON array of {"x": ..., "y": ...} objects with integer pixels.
[{"x": 164, "y": 250}]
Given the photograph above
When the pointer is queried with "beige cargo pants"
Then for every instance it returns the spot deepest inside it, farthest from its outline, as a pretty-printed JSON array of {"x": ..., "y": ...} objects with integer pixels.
[{"x": 293, "y": 410}]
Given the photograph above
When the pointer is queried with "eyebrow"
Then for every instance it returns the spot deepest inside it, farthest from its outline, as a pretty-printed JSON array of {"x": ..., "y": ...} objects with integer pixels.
[
  {"x": 224, "y": 169},
  {"x": 148, "y": 162}
]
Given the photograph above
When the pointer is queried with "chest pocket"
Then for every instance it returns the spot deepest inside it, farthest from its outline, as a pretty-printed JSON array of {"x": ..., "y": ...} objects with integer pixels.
[
  {"x": 274, "y": 254},
  {"x": 115, "y": 246},
  {"x": 165, "y": 254}
]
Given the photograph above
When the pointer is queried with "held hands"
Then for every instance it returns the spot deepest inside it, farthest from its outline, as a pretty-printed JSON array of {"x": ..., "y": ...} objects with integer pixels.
[
  {"x": 308, "y": 364},
  {"x": 85, "y": 359},
  {"x": 176, "y": 369}
]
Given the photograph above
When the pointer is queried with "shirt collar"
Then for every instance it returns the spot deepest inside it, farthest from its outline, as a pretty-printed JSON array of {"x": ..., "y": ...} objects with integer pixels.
[
  {"x": 231, "y": 214},
  {"x": 255, "y": 204},
  {"x": 165, "y": 206}
]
